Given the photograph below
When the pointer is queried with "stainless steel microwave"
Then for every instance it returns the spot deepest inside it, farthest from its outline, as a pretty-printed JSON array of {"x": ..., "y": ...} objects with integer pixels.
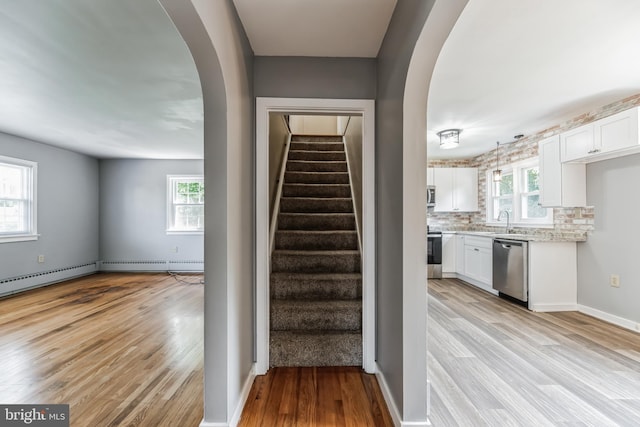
[{"x": 431, "y": 195}]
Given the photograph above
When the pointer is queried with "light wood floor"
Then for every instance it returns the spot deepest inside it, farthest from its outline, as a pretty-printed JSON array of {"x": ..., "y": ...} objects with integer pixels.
[
  {"x": 493, "y": 363},
  {"x": 120, "y": 349},
  {"x": 322, "y": 397}
]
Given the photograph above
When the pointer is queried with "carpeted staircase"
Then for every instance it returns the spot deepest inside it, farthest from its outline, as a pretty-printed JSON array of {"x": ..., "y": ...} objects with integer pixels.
[{"x": 316, "y": 285}]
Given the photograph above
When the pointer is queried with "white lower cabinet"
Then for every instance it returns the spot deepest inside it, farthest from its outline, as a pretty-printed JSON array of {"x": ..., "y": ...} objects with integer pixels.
[
  {"x": 448, "y": 255},
  {"x": 459, "y": 253},
  {"x": 478, "y": 262}
]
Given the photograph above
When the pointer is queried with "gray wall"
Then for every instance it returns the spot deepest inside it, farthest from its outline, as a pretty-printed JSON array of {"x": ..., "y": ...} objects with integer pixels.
[
  {"x": 133, "y": 214},
  {"x": 612, "y": 247},
  {"x": 393, "y": 62},
  {"x": 353, "y": 142},
  {"x": 307, "y": 77},
  {"x": 278, "y": 136},
  {"x": 67, "y": 198}
]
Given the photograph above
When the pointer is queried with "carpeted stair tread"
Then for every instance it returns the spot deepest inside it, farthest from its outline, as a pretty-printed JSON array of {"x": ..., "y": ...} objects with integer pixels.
[
  {"x": 316, "y": 240},
  {"x": 316, "y": 166},
  {"x": 316, "y": 205},
  {"x": 300, "y": 177},
  {"x": 316, "y": 315},
  {"x": 319, "y": 155},
  {"x": 326, "y": 348},
  {"x": 326, "y": 286},
  {"x": 316, "y": 221},
  {"x": 317, "y": 138},
  {"x": 316, "y": 190},
  {"x": 315, "y": 261}
]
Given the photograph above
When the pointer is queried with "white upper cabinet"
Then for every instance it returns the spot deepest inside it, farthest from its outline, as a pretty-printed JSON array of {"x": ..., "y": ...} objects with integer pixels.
[
  {"x": 613, "y": 136},
  {"x": 578, "y": 143},
  {"x": 561, "y": 184},
  {"x": 456, "y": 189}
]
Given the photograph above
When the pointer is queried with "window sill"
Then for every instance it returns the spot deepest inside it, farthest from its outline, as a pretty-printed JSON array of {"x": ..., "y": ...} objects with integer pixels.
[
  {"x": 185, "y": 232},
  {"x": 19, "y": 238}
]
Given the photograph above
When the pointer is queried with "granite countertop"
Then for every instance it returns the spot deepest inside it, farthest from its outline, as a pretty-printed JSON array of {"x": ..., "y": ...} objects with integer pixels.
[{"x": 533, "y": 237}]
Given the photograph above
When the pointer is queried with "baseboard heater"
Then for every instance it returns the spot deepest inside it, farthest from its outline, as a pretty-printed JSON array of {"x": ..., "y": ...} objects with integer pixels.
[
  {"x": 179, "y": 266},
  {"x": 34, "y": 280}
]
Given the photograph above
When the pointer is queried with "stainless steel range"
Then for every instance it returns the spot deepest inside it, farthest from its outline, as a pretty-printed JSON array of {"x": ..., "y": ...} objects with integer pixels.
[{"x": 434, "y": 254}]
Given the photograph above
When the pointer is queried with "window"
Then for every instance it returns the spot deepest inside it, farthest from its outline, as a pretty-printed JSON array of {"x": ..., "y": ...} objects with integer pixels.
[
  {"x": 519, "y": 194},
  {"x": 186, "y": 204},
  {"x": 17, "y": 200}
]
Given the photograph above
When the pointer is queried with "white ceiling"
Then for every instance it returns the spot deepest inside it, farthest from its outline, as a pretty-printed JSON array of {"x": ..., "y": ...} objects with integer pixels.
[
  {"x": 329, "y": 28},
  {"x": 518, "y": 67},
  {"x": 114, "y": 78},
  {"x": 109, "y": 78}
]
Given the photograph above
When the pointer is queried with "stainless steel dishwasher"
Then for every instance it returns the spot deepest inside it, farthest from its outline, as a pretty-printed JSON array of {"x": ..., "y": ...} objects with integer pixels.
[{"x": 510, "y": 273}]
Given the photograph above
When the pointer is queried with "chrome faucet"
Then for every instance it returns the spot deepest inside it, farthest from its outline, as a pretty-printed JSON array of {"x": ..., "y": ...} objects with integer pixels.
[{"x": 506, "y": 212}]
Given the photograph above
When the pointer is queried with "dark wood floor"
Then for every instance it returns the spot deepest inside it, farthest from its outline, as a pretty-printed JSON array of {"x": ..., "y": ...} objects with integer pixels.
[
  {"x": 493, "y": 363},
  {"x": 120, "y": 349},
  {"x": 341, "y": 396}
]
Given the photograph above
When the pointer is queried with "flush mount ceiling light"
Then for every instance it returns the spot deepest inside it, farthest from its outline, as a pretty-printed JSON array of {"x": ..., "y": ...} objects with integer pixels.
[
  {"x": 497, "y": 174},
  {"x": 449, "y": 138}
]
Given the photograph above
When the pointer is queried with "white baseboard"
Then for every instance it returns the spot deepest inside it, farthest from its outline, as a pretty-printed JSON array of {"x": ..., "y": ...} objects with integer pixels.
[
  {"x": 13, "y": 285},
  {"x": 477, "y": 284},
  {"x": 548, "y": 308},
  {"x": 237, "y": 413},
  {"x": 391, "y": 404},
  {"x": 151, "y": 266},
  {"x": 611, "y": 318},
  {"x": 386, "y": 393},
  {"x": 244, "y": 394}
]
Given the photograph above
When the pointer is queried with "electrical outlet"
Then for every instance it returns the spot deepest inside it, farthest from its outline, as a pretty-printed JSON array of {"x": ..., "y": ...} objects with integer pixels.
[
  {"x": 40, "y": 259},
  {"x": 614, "y": 280},
  {"x": 174, "y": 249}
]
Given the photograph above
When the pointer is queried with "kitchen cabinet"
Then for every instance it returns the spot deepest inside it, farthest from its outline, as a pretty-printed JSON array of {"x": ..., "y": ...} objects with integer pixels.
[
  {"x": 448, "y": 254},
  {"x": 561, "y": 184},
  {"x": 456, "y": 189},
  {"x": 553, "y": 276},
  {"x": 610, "y": 137},
  {"x": 478, "y": 259},
  {"x": 459, "y": 254}
]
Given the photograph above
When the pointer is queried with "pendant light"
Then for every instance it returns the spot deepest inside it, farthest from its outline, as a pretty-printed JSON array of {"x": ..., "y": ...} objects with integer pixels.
[
  {"x": 497, "y": 174},
  {"x": 449, "y": 138}
]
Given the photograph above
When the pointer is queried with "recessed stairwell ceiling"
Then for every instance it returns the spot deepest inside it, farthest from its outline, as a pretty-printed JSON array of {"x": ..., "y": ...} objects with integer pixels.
[
  {"x": 329, "y": 28},
  {"x": 519, "y": 67}
]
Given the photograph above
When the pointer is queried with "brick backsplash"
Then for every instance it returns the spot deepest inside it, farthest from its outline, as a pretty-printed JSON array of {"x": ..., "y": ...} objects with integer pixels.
[{"x": 566, "y": 221}]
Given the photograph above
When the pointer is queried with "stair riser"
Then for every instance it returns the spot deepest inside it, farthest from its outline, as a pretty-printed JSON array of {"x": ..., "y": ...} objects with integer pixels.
[
  {"x": 347, "y": 319},
  {"x": 315, "y": 289},
  {"x": 303, "y": 166},
  {"x": 316, "y": 138},
  {"x": 315, "y": 350},
  {"x": 315, "y": 190},
  {"x": 316, "y": 178},
  {"x": 316, "y": 242},
  {"x": 303, "y": 263},
  {"x": 316, "y": 146},
  {"x": 318, "y": 155},
  {"x": 304, "y": 205},
  {"x": 317, "y": 222}
]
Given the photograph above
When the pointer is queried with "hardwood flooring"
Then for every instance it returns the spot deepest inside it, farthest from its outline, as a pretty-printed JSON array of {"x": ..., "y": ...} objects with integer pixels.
[
  {"x": 120, "y": 349},
  {"x": 493, "y": 363},
  {"x": 322, "y": 397}
]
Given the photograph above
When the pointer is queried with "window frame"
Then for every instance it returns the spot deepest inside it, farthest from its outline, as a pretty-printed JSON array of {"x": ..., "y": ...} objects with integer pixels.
[
  {"x": 172, "y": 180},
  {"x": 31, "y": 232},
  {"x": 517, "y": 170}
]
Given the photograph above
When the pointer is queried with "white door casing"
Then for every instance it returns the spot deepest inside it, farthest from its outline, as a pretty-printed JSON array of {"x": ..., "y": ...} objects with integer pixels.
[{"x": 340, "y": 107}]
